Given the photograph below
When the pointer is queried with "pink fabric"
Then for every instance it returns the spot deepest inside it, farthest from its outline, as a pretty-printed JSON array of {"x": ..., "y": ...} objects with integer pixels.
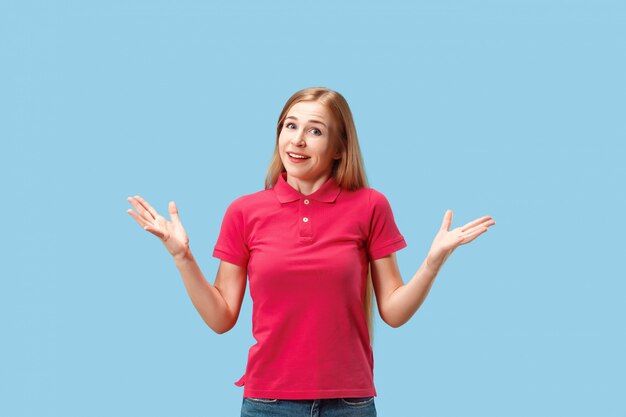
[{"x": 307, "y": 283}]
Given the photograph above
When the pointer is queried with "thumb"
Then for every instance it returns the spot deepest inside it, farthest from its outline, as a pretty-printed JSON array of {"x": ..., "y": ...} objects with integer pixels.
[
  {"x": 447, "y": 221},
  {"x": 173, "y": 212}
]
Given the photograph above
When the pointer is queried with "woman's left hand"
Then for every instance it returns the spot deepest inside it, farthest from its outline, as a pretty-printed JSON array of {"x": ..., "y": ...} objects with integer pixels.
[{"x": 448, "y": 240}]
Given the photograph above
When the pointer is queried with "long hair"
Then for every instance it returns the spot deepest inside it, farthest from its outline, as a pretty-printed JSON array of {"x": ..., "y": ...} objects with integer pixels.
[{"x": 348, "y": 171}]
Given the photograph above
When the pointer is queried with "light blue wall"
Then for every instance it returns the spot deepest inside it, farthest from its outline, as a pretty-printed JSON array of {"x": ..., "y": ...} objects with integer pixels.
[{"x": 513, "y": 109}]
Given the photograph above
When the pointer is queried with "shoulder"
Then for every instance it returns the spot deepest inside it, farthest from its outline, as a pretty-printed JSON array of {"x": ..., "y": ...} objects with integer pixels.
[
  {"x": 247, "y": 202},
  {"x": 368, "y": 196},
  {"x": 376, "y": 197},
  {"x": 369, "y": 201}
]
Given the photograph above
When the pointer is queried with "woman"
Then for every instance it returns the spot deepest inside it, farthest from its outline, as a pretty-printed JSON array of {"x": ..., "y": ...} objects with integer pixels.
[{"x": 315, "y": 244}]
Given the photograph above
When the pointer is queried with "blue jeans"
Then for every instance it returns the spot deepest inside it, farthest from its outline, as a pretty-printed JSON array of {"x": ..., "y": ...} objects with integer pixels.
[{"x": 326, "y": 407}]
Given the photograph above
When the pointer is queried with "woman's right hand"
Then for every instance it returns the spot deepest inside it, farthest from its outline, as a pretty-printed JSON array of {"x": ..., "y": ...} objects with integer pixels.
[{"x": 171, "y": 233}]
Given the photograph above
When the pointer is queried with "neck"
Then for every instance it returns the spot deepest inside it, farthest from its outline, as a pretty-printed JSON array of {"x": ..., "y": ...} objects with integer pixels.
[{"x": 307, "y": 187}]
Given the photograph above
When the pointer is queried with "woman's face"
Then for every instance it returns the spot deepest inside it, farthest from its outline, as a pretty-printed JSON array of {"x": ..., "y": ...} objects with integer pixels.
[{"x": 306, "y": 147}]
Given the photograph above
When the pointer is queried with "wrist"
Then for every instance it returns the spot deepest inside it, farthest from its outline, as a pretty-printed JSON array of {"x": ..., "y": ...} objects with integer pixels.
[
  {"x": 183, "y": 256},
  {"x": 434, "y": 263}
]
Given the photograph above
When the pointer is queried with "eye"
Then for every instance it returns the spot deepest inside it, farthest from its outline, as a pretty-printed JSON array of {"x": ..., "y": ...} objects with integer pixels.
[
  {"x": 316, "y": 132},
  {"x": 288, "y": 125}
]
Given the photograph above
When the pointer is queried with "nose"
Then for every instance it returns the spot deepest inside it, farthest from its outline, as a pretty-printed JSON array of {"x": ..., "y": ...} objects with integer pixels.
[{"x": 298, "y": 138}]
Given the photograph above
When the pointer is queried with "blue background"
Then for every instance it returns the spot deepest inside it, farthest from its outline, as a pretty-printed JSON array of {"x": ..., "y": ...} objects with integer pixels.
[{"x": 513, "y": 109}]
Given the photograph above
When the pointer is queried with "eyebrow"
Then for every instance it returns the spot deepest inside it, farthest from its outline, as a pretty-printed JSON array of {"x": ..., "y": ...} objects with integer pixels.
[{"x": 310, "y": 120}]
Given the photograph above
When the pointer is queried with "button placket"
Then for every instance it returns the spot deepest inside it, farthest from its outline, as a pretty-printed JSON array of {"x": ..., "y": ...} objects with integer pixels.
[{"x": 305, "y": 218}]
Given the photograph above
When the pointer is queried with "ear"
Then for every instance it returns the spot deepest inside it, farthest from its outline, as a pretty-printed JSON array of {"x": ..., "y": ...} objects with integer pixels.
[{"x": 338, "y": 155}]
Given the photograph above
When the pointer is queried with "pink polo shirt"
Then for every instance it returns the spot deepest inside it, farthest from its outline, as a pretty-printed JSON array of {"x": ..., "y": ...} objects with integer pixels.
[{"x": 307, "y": 260}]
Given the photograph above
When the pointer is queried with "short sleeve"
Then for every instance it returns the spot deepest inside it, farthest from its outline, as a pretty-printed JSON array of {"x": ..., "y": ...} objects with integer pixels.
[
  {"x": 231, "y": 243},
  {"x": 384, "y": 237}
]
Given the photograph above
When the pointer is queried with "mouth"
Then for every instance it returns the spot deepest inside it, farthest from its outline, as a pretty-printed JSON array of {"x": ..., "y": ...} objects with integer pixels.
[{"x": 297, "y": 156}]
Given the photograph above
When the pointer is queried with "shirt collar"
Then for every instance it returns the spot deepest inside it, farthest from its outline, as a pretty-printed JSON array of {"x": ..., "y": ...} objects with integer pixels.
[{"x": 285, "y": 193}]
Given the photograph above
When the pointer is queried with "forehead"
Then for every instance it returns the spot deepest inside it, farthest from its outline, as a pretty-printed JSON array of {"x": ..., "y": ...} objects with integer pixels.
[{"x": 310, "y": 110}]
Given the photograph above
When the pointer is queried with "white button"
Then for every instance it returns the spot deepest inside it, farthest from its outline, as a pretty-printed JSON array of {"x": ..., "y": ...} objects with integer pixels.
[
  {"x": 305, "y": 219},
  {"x": 306, "y": 201}
]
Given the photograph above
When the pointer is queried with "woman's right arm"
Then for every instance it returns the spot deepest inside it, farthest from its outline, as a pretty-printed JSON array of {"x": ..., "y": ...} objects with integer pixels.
[{"x": 218, "y": 304}]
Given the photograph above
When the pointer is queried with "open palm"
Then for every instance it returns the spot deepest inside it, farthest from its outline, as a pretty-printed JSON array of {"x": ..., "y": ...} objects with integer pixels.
[
  {"x": 446, "y": 240},
  {"x": 171, "y": 233}
]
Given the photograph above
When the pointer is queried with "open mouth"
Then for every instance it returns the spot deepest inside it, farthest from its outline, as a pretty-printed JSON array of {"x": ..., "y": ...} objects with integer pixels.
[{"x": 298, "y": 157}]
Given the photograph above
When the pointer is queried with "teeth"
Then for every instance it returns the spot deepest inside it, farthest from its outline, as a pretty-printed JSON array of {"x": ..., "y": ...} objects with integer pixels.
[{"x": 297, "y": 156}]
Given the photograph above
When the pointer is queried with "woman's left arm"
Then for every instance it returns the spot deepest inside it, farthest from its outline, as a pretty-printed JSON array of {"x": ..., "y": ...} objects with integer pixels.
[{"x": 397, "y": 302}]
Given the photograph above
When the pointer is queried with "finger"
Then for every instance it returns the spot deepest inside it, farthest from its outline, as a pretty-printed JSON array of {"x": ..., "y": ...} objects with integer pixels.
[
  {"x": 155, "y": 232},
  {"x": 485, "y": 225},
  {"x": 447, "y": 220},
  {"x": 141, "y": 210},
  {"x": 140, "y": 220},
  {"x": 147, "y": 206},
  {"x": 476, "y": 223},
  {"x": 173, "y": 212},
  {"x": 468, "y": 237}
]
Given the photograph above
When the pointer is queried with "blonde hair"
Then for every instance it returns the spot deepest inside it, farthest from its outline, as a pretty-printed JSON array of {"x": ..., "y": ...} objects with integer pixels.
[{"x": 348, "y": 171}]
